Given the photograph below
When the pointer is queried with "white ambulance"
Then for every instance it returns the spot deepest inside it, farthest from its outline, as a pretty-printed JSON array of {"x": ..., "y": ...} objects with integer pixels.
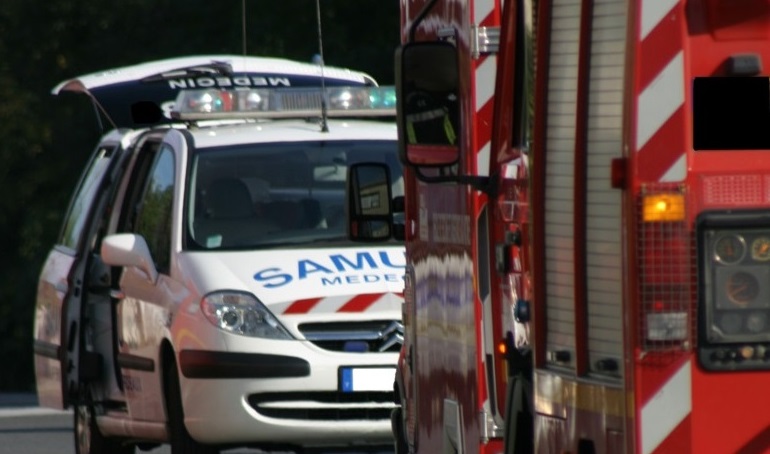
[{"x": 203, "y": 292}]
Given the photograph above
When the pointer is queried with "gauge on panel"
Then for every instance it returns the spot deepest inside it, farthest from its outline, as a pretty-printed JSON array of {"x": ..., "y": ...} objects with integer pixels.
[
  {"x": 760, "y": 249},
  {"x": 729, "y": 249},
  {"x": 742, "y": 288},
  {"x": 730, "y": 323},
  {"x": 756, "y": 322}
]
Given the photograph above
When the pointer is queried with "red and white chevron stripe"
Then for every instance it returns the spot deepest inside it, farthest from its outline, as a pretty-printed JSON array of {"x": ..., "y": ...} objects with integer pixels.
[
  {"x": 666, "y": 410},
  {"x": 660, "y": 91},
  {"x": 661, "y": 151},
  {"x": 345, "y": 304},
  {"x": 485, "y": 14}
]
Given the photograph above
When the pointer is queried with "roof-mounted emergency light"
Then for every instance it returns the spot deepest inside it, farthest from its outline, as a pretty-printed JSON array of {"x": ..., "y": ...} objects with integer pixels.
[{"x": 295, "y": 102}]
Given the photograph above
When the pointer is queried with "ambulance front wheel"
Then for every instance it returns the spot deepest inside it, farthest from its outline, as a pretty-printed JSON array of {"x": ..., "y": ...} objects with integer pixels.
[
  {"x": 180, "y": 440},
  {"x": 397, "y": 424},
  {"x": 88, "y": 439}
]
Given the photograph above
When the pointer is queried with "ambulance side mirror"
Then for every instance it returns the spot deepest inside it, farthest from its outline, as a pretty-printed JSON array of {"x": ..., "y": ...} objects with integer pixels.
[
  {"x": 368, "y": 195},
  {"x": 129, "y": 249},
  {"x": 428, "y": 107}
]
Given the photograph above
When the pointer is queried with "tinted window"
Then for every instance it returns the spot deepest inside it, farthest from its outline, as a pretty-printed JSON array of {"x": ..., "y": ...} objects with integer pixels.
[
  {"x": 80, "y": 206},
  {"x": 731, "y": 113},
  {"x": 281, "y": 194},
  {"x": 523, "y": 91},
  {"x": 154, "y": 220}
]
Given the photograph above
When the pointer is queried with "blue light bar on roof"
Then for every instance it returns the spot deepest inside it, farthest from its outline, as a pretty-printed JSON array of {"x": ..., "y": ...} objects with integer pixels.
[{"x": 298, "y": 102}]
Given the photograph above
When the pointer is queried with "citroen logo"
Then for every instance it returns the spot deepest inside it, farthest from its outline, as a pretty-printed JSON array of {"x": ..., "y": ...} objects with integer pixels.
[{"x": 390, "y": 336}]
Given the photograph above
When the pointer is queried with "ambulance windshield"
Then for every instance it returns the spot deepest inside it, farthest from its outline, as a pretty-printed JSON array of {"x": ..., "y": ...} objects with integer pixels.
[{"x": 276, "y": 194}]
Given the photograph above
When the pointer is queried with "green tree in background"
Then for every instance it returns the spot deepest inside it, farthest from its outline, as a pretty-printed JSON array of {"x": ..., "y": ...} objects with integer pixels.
[{"x": 45, "y": 140}]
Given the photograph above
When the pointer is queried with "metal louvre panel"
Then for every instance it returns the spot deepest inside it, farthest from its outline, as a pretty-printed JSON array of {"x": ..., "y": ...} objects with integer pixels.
[
  {"x": 559, "y": 189},
  {"x": 605, "y": 141}
]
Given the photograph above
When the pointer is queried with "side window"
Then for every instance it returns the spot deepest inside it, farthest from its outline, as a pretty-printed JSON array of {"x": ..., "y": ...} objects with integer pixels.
[
  {"x": 85, "y": 195},
  {"x": 524, "y": 85},
  {"x": 153, "y": 220}
]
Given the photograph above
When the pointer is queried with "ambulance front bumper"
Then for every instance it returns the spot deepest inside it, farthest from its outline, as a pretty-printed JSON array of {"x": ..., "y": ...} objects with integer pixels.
[{"x": 301, "y": 396}]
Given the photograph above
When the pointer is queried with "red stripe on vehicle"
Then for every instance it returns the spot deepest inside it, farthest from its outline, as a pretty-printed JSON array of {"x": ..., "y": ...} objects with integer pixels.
[
  {"x": 660, "y": 46},
  {"x": 302, "y": 306},
  {"x": 360, "y": 303},
  {"x": 663, "y": 149},
  {"x": 484, "y": 134}
]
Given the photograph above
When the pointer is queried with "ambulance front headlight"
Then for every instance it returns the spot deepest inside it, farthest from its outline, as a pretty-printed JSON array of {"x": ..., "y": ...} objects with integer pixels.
[{"x": 242, "y": 313}]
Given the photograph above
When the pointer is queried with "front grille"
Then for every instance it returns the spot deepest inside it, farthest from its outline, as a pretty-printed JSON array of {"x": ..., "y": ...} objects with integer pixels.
[
  {"x": 325, "y": 405},
  {"x": 369, "y": 336}
]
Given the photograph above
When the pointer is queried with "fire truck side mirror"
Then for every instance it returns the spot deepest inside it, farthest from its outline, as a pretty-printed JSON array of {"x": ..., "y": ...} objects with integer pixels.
[
  {"x": 428, "y": 107},
  {"x": 369, "y": 201}
]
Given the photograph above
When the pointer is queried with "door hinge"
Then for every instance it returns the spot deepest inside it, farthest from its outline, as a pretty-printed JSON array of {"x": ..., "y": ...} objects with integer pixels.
[
  {"x": 484, "y": 40},
  {"x": 489, "y": 428}
]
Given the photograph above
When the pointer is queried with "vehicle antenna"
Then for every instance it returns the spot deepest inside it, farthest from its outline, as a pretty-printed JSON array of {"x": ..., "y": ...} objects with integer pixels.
[
  {"x": 324, "y": 124},
  {"x": 243, "y": 24}
]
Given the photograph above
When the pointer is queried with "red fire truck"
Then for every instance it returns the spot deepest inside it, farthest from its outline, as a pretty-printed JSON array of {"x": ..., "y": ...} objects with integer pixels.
[
  {"x": 601, "y": 165},
  {"x": 465, "y": 217}
]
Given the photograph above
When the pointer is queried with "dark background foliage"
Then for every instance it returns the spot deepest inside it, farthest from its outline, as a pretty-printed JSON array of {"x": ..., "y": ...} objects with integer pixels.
[{"x": 45, "y": 140}]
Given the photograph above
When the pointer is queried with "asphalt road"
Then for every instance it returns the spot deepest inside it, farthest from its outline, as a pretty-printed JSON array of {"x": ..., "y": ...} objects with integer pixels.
[{"x": 26, "y": 428}]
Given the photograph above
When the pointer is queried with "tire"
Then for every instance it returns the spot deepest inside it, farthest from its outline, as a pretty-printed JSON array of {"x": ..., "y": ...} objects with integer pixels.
[
  {"x": 180, "y": 440},
  {"x": 397, "y": 425},
  {"x": 519, "y": 435},
  {"x": 88, "y": 439},
  {"x": 519, "y": 430}
]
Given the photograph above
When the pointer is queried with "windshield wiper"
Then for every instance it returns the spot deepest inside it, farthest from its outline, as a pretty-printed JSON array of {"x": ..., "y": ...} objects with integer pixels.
[{"x": 330, "y": 239}]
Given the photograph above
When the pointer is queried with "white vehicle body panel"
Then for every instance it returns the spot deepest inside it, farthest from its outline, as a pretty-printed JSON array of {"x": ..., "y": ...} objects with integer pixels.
[
  {"x": 239, "y": 63},
  {"x": 278, "y": 278},
  {"x": 293, "y": 131},
  {"x": 235, "y": 389},
  {"x": 48, "y": 314}
]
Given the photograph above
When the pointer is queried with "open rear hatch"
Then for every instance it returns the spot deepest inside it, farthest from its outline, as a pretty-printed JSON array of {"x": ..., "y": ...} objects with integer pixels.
[{"x": 143, "y": 95}]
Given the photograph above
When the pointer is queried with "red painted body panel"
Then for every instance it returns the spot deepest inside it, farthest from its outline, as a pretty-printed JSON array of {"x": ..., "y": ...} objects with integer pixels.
[
  {"x": 668, "y": 43},
  {"x": 691, "y": 39},
  {"x": 444, "y": 330}
]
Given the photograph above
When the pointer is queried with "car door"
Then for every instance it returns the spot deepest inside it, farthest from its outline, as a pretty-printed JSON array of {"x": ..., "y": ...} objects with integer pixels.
[
  {"x": 144, "y": 302},
  {"x": 62, "y": 363}
]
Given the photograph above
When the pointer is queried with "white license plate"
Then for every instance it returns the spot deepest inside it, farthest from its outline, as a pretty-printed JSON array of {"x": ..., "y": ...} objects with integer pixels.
[{"x": 367, "y": 378}]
